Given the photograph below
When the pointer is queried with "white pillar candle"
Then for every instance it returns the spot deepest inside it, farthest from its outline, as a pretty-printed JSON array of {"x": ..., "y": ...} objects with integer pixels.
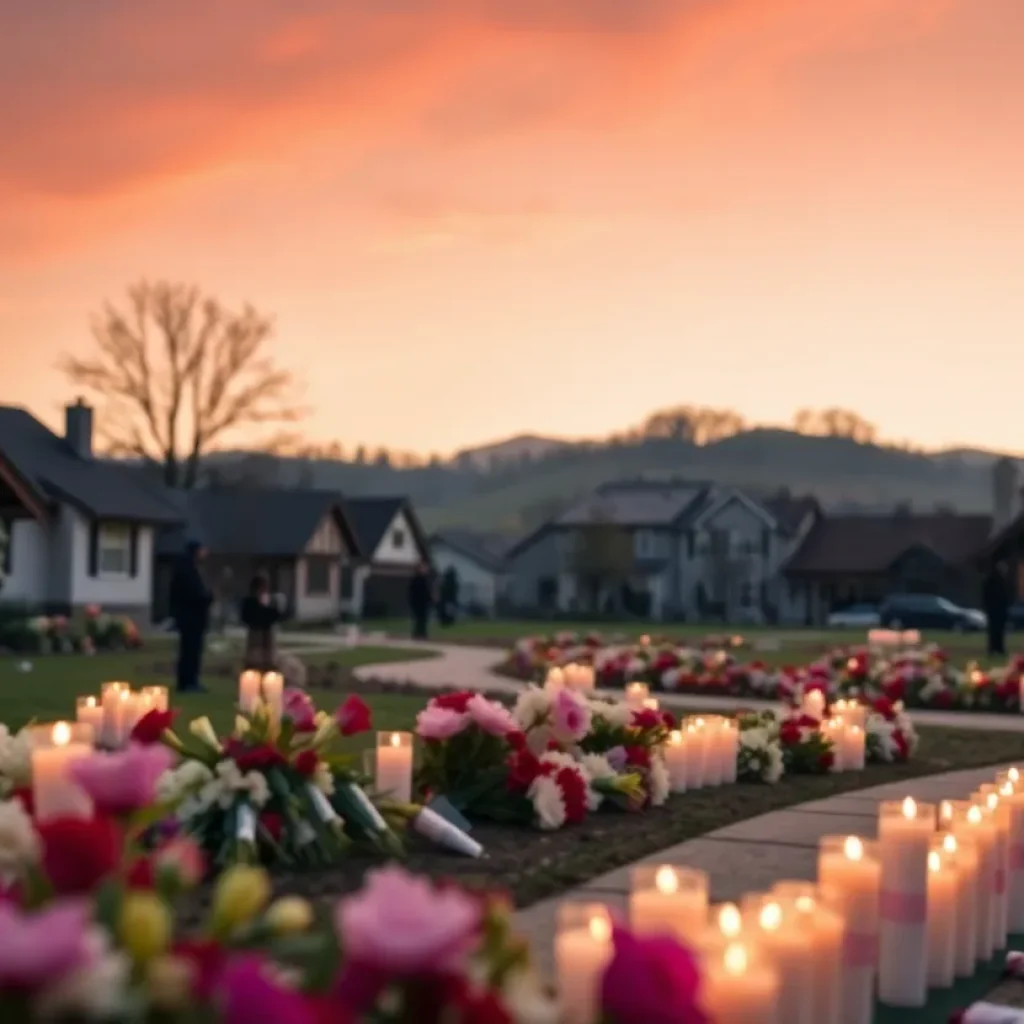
[
  {"x": 668, "y": 900},
  {"x": 993, "y": 808},
  {"x": 54, "y": 748},
  {"x": 813, "y": 704},
  {"x": 158, "y": 697},
  {"x": 963, "y": 855},
  {"x": 738, "y": 986},
  {"x": 946, "y": 815},
  {"x": 818, "y": 912},
  {"x": 636, "y": 694},
  {"x": 833, "y": 730},
  {"x": 1013, "y": 796},
  {"x": 249, "y": 691},
  {"x": 731, "y": 741},
  {"x": 124, "y": 709},
  {"x": 849, "y": 867},
  {"x": 394, "y": 765},
  {"x": 583, "y": 948},
  {"x": 942, "y": 920},
  {"x": 676, "y": 753},
  {"x": 788, "y": 946},
  {"x": 695, "y": 738},
  {"x": 556, "y": 677},
  {"x": 651, "y": 703},
  {"x": 971, "y": 823},
  {"x": 272, "y": 690},
  {"x": 851, "y": 711},
  {"x": 905, "y": 830},
  {"x": 855, "y": 752},
  {"x": 137, "y": 707},
  {"x": 89, "y": 711},
  {"x": 714, "y": 768},
  {"x": 110, "y": 698}
]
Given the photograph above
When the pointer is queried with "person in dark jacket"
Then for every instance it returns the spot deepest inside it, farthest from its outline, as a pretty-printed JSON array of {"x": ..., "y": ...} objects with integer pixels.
[
  {"x": 996, "y": 601},
  {"x": 190, "y": 602},
  {"x": 260, "y": 614},
  {"x": 448, "y": 605},
  {"x": 421, "y": 597}
]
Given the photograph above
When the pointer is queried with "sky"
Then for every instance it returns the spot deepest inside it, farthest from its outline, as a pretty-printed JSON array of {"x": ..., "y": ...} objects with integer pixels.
[{"x": 473, "y": 218}]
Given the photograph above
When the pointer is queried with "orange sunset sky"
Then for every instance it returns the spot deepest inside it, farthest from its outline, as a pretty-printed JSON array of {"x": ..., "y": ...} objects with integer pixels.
[{"x": 476, "y": 217}]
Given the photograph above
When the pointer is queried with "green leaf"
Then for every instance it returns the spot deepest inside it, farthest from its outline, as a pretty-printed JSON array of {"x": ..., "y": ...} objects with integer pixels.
[{"x": 109, "y": 897}]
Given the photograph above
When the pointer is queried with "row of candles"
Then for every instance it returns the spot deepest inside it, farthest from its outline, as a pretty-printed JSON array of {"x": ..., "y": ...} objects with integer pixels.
[
  {"x": 935, "y": 895},
  {"x": 117, "y": 710}
]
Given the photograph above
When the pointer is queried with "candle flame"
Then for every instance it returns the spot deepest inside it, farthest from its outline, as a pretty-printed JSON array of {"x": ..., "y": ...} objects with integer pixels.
[
  {"x": 700, "y": 723},
  {"x": 1013, "y": 775},
  {"x": 396, "y": 740},
  {"x": 805, "y": 904},
  {"x": 123, "y": 694},
  {"x": 946, "y": 810},
  {"x": 992, "y": 801},
  {"x": 934, "y": 861},
  {"x": 90, "y": 702},
  {"x": 853, "y": 848},
  {"x": 771, "y": 917},
  {"x": 735, "y": 959},
  {"x": 61, "y": 734},
  {"x": 974, "y": 816},
  {"x": 599, "y": 927},
  {"x": 675, "y": 737},
  {"x": 730, "y": 922},
  {"x": 1006, "y": 789},
  {"x": 949, "y": 843},
  {"x": 909, "y": 808},
  {"x": 666, "y": 881}
]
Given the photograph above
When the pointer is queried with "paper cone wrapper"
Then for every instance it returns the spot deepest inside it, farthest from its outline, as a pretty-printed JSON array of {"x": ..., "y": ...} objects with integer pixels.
[
  {"x": 322, "y": 804},
  {"x": 246, "y": 830},
  {"x": 988, "y": 1013},
  {"x": 379, "y": 824},
  {"x": 432, "y": 826}
]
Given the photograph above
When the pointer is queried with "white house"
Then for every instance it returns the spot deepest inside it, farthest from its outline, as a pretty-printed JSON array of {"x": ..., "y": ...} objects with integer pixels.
[
  {"x": 479, "y": 564},
  {"x": 80, "y": 530}
]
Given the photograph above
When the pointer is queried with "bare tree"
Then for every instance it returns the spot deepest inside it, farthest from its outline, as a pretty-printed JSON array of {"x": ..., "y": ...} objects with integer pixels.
[{"x": 175, "y": 371}]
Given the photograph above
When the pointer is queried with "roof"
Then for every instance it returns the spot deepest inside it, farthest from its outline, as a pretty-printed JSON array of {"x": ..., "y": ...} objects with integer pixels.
[
  {"x": 255, "y": 522},
  {"x": 486, "y": 549},
  {"x": 790, "y": 512},
  {"x": 54, "y": 472},
  {"x": 864, "y": 544},
  {"x": 370, "y": 518},
  {"x": 638, "y": 504}
]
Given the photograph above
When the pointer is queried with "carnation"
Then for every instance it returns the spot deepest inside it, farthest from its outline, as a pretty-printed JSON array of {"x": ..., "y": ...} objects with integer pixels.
[
  {"x": 19, "y": 843},
  {"x": 532, "y": 708},
  {"x": 548, "y": 804},
  {"x": 659, "y": 780}
]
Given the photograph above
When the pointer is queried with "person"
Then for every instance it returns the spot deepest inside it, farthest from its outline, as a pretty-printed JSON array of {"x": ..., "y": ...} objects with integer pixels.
[
  {"x": 996, "y": 604},
  {"x": 190, "y": 602},
  {"x": 449, "y": 603},
  {"x": 260, "y": 613},
  {"x": 421, "y": 597}
]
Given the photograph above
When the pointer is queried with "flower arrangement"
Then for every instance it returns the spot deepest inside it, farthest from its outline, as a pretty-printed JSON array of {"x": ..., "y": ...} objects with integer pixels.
[
  {"x": 15, "y": 760},
  {"x": 57, "y": 634}
]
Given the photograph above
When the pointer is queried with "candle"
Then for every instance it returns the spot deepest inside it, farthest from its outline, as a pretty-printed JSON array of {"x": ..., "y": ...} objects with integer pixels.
[
  {"x": 788, "y": 946},
  {"x": 54, "y": 749},
  {"x": 556, "y": 677},
  {"x": 136, "y": 706},
  {"x": 157, "y": 697},
  {"x": 272, "y": 690},
  {"x": 963, "y": 855},
  {"x": 695, "y": 738},
  {"x": 855, "y": 747},
  {"x": 650, "y": 703},
  {"x": 394, "y": 765},
  {"x": 739, "y": 986},
  {"x": 123, "y": 709},
  {"x": 998, "y": 812},
  {"x": 942, "y": 922},
  {"x": 904, "y": 833},
  {"x": 833, "y": 730},
  {"x": 971, "y": 823},
  {"x": 849, "y": 867},
  {"x": 110, "y": 698},
  {"x": 714, "y": 768},
  {"x": 669, "y": 900},
  {"x": 249, "y": 691},
  {"x": 1013, "y": 796},
  {"x": 676, "y": 754},
  {"x": 89, "y": 711},
  {"x": 731, "y": 744},
  {"x": 817, "y": 911},
  {"x": 813, "y": 704},
  {"x": 636, "y": 694},
  {"x": 583, "y": 948},
  {"x": 946, "y": 815},
  {"x": 851, "y": 712}
]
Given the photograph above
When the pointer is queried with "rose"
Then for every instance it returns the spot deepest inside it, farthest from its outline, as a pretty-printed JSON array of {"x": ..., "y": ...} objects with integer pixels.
[
  {"x": 299, "y": 708},
  {"x": 455, "y": 701},
  {"x": 149, "y": 729},
  {"x": 437, "y": 723},
  {"x": 79, "y": 854},
  {"x": 260, "y": 758},
  {"x": 491, "y": 716},
  {"x": 353, "y": 717},
  {"x": 41, "y": 948},
  {"x": 571, "y": 716},
  {"x": 122, "y": 782},
  {"x": 306, "y": 762}
]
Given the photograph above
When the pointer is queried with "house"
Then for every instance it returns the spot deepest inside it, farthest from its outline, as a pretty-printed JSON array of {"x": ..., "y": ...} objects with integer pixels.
[
  {"x": 479, "y": 563},
  {"x": 662, "y": 550},
  {"x": 302, "y": 539},
  {"x": 1006, "y": 543},
  {"x": 81, "y": 529},
  {"x": 392, "y": 544}
]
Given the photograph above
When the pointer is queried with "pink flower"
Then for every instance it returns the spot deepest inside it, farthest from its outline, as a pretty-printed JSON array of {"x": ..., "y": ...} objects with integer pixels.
[
  {"x": 404, "y": 925},
  {"x": 125, "y": 781},
  {"x": 183, "y": 859},
  {"x": 651, "y": 981},
  {"x": 300, "y": 709},
  {"x": 250, "y": 994},
  {"x": 434, "y": 723},
  {"x": 571, "y": 716},
  {"x": 37, "y": 949},
  {"x": 491, "y": 716}
]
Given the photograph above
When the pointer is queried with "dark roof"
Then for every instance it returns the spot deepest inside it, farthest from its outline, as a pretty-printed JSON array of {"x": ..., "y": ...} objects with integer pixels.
[
  {"x": 640, "y": 503},
  {"x": 54, "y": 472},
  {"x": 255, "y": 522},
  {"x": 790, "y": 512},
  {"x": 486, "y": 549},
  {"x": 371, "y": 517},
  {"x": 852, "y": 544}
]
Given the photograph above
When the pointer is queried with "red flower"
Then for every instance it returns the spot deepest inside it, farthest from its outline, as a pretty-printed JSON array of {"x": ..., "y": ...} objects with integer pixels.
[
  {"x": 24, "y": 794},
  {"x": 638, "y": 757},
  {"x": 902, "y": 746},
  {"x": 253, "y": 759},
  {"x": 523, "y": 768},
  {"x": 806, "y": 721},
  {"x": 826, "y": 759},
  {"x": 305, "y": 763},
  {"x": 77, "y": 854},
  {"x": 141, "y": 874},
  {"x": 789, "y": 733},
  {"x": 354, "y": 716},
  {"x": 207, "y": 959},
  {"x": 458, "y": 702},
  {"x": 884, "y": 707},
  {"x": 516, "y": 739},
  {"x": 152, "y": 725},
  {"x": 645, "y": 718},
  {"x": 574, "y": 794},
  {"x": 273, "y": 823},
  {"x": 668, "y": 720}
]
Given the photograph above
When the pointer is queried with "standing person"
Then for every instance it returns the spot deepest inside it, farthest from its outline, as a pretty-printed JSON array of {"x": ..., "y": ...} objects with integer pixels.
[
  {"x": 996, "y": 602},
  {"x": 260, "y": 613},
  {"x": 448, "y": 605},
  {"x": 421, "y": 597},
  {"x": 191, "y": 599}
]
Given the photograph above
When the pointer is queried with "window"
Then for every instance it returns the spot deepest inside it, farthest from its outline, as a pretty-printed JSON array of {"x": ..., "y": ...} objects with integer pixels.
[
  {"x": 398, "y": 537},
  {"x": 318, "y": 576},
  {"x": 114, "y": 550},
  {"x": 643, "y": 543}
]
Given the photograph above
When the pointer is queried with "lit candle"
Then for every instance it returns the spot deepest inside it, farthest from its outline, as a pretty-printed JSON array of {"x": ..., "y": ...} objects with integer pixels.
[
  {"x": 963, "y": 855},
  {"x": 788, "y": 946},
  {"x": 249, "y": 691},
  {"x": 676, "y": 754},
  {"x": 738, "y": 986},
  {"x": 636, "y": 694},
  {"x": 556, "y": 677},
  {"x": 905, "y": 830},
  {"x": 942, "y": 922},
  {"x": 849, "y": 867},
  {"x": 817, "y": 912},
  {"x": 946, "y": 815},
  {"x": 583, "y": 948},
  {"x": 992, "y": 807},
  {"x": 394, "y": 765},
  {"x": 971, "y": 823},
  {"x": 813, "y": 704},
  {"x": 696, "y": 739},
  {"x": 850, "y": 711},
  {"x": 833, "y": 730},
  {"x": 272, "y": 689},
  {"x": 855, "y": 747},
  {"x": 714, "y": 766},
  {"x": 651, "y": 703},
  {"x": 89, "y": 711},
  {"x": 669, "y": 900},
  {"x": 54, "y": 749},
  {"x": 124, "y": 710},
  {"x": 110, "y": 698},
  {"x": 731, "y": 742},
  {"x": 157, "y": 696},
  {"x": 1013, "y": 796}
]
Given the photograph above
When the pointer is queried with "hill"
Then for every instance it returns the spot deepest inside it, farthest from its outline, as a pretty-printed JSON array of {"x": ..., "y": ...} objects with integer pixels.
[{"x": 515, "y": 492}]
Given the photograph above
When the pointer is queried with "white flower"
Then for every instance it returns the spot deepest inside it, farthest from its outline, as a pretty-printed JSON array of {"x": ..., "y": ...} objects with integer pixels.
[
  {"x": 323, "y": 778},
  {"x": 660, "y": 781},
  {"x": 617, "y": 714},
  {"x": 19, "y": 842},
  {"x": 670, "y": 678},
  {"x": 15, "y": 758},
  {"x": 548, "y": 805},
  {"x": 532, "y": 708},
  {"x": 559, "y": 759},
  {"x": 597, "y": 766},
  {"x": 96, "y": 990},
  {"x": 760, "y": 755},
  {"x": 526, "y": 1000},
  {"x": 258, "y": 788}
]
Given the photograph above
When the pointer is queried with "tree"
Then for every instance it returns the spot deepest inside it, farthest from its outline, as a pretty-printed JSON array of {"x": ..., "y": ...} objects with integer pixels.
[
  {"x": 175, "y": 371},
  {"x": 835, "y": 422},
  {"x": 602, "y": 558}
]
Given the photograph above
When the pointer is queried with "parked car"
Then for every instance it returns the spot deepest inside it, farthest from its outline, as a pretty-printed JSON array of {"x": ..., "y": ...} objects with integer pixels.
[
  {"x": 927, "y": 611},
  {"x": 856, "y": 616}
]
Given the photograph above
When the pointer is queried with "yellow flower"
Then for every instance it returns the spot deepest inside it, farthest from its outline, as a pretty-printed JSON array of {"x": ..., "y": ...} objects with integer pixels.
[
  {"x": 169, "y": 981},
  {"x": 241, "y": 725},
  {"x": 289, "y": 915},
  {"x": 241, "y": 893},
  {"x": 202, "y": 729},
  {"x": 144, "y": 926}
]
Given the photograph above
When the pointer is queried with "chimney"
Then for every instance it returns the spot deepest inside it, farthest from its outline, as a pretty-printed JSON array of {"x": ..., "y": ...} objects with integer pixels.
[
  {"x": 1004, "y": 493},
  {"x": 78, "y": 428}
]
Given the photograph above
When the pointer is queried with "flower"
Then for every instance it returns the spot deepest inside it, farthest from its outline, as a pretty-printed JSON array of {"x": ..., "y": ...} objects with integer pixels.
[
  {"x": 19, "y": 843},
  {"x": 459, "y": 701},
  {"x": 149, "y": 729},
  {"x": 122, "y": 782},
  {"x": 169, "y": 982},
  {"x": 202, "y": 729},
  {"x": 38, "y": 948},
  {"x": 651, "y": 981},
  {"x": 300, "y": 709},
  {"x": 353, "y": 717},
  {"x": 241, "y": 893},
  {"x": 180, "y": 860},
  {"x": 95, "y": 989},
  {"x": 251, "y": 994},
  {"x": 259, "y": 758},
  {"x": 289, "y": 915},
  {"x": 571, "y": 716},
  {"x": 144, "y": 925},
  {"x": 548, "y": 804},
  {"x": 575, "y": 789},
  {"x": 405, "y": 925},
  {"x": 436, "y": 723},
  {"x": 491, "y": 716},
  {"x": 78, "y": 854},
  {"x": 306, "y": 763}
]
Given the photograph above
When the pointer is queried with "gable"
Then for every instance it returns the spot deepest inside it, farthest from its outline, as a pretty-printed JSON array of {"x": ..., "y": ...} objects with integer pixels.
[
  {"x": 326, "y": 539},
  {"x": 738, "y": 513},
  {"x": 399, "y": 544}
]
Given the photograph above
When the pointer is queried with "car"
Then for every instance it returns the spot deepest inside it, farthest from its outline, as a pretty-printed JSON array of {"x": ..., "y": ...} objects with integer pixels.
[
  {"x": 928, "y": 611},
  {"x": 856, "y": 616}
]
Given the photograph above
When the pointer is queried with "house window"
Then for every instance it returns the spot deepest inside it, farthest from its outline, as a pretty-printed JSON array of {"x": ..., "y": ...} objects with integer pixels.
[
  {"x": 643, "y": 543},
  {"x": 318, "y": 577},
  {"x": 398, "y": 538},
  {"x": 114, "y": 550}
]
